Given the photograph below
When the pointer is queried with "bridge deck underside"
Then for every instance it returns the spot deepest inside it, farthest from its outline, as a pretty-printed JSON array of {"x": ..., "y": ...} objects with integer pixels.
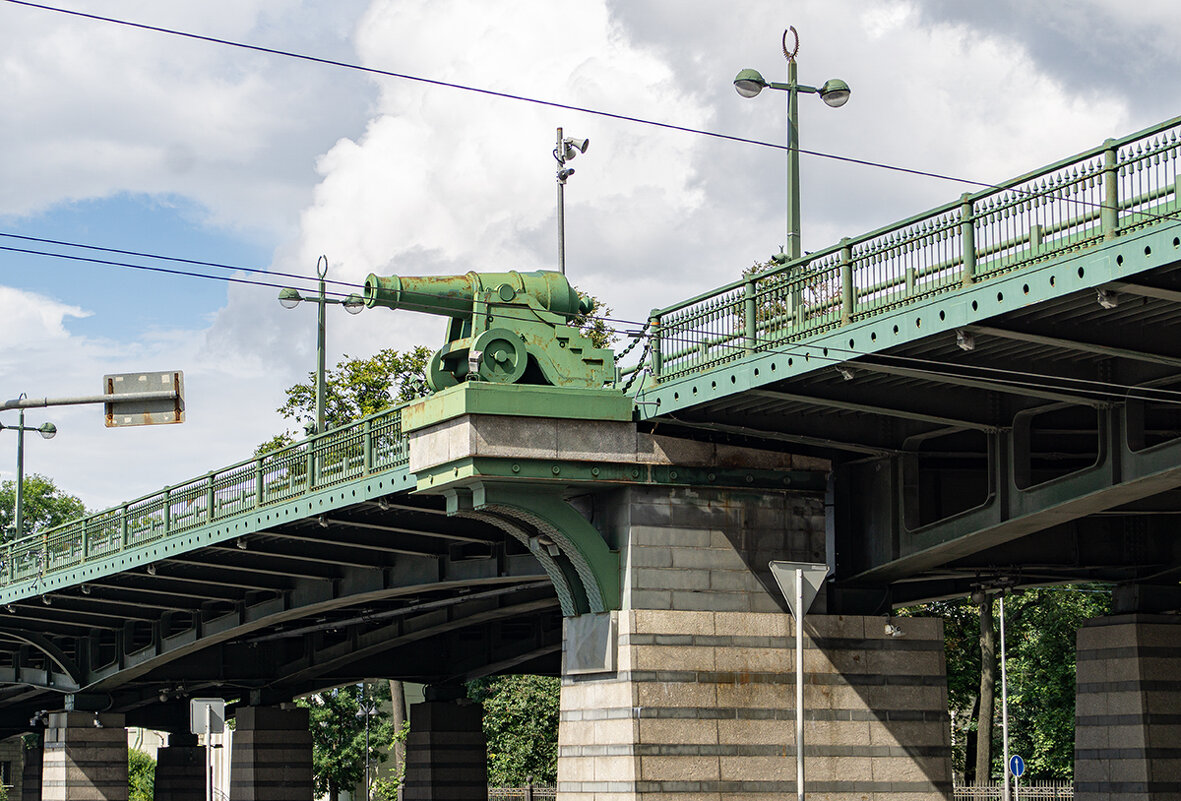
[
  {"x": 391, "y": 588},
  {"x": 1038, "y": 442}
]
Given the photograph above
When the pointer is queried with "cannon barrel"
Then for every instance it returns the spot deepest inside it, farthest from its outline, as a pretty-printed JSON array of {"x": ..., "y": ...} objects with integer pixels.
[{"x": 455, "y": 295}]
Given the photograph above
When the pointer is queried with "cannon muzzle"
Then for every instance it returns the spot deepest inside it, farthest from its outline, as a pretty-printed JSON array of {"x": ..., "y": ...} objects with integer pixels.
[{"x": 458, "y": 295}]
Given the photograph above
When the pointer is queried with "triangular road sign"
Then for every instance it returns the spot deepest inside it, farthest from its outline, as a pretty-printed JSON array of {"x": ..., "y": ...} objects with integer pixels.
[{"x": 786, "y": 574}]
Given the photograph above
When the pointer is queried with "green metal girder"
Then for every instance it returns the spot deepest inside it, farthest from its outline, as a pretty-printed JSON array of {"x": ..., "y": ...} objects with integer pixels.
[
  {"x": 564, "y": 473},
  {"x": 517, "y": 400}
]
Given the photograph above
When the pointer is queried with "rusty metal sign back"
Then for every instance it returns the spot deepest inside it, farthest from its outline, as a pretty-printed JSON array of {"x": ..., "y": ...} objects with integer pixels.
[{"x": 144, "y": 399}]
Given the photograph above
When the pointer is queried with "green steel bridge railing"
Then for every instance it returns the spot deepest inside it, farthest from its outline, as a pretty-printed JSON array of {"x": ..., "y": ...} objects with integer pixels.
[
  {"x": 372, "y": 445},
  {"x": 1122, "y": 185}
]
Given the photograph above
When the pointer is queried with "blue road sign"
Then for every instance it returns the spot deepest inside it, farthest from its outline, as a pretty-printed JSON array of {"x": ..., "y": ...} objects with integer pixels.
[{"x": 1016, "y": 765}]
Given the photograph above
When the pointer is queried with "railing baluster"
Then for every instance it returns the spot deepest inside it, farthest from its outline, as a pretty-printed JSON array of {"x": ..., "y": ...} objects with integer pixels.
[
  {"x": 1109, "y": 221},
  {"x": 968, "y": 240},
  {"x": 654, "y": 360},
  {"x": 847, "y": 297}
]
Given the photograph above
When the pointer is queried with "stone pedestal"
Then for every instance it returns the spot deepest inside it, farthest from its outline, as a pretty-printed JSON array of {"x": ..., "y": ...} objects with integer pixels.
[
  {"x": 1128, "y": 709},
  {"x": 85, "y": 758},
  {"x": 180, "y": 773},
  {"x": 446, "y": 754},
  {"x": 695, "y": 695},
  {"x": 271, "y": 758}
]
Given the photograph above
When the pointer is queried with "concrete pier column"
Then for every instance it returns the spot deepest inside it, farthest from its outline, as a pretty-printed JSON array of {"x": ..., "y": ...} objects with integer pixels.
[
  {"x": 446, "y": 754},
  {"x": 85, "y": 757},
  {"x": 180, "y": 770},
  {"x": 271, "y": 759},
  {"x": 1127, "y": 741},
  {"x": 689, "y": 691}
]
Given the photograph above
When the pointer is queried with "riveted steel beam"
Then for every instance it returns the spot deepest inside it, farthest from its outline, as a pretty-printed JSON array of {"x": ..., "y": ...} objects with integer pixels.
[{"x": 1076, "y": 345}]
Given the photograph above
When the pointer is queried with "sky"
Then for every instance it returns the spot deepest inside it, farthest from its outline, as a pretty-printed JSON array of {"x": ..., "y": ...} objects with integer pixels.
[{"x": 135, "y": 140}]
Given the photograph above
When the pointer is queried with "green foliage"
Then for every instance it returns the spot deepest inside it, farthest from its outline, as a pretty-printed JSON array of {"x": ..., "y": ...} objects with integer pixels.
[
  {"x": 356, "y": 387},
  {"x": 141, "y": 776},
  {"x": 521, "y": 726},
  {"x": 45, "y": 505},
  {"x": 338, "y": 735},
  {"x": 592, "y": 324},
  {"x": 386, "y": 789},
  {"x": 1040, "y": 628}
]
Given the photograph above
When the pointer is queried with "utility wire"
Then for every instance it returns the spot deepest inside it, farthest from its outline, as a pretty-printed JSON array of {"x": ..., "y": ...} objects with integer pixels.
[{"x": 489, "y": 92}]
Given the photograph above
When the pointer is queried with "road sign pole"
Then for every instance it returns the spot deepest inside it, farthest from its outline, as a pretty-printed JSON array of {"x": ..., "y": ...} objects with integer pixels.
[
  {"x": 799, "y": 684},
  {"x": 799, "y": 582},
  {"x": 1005, "y": 703}
]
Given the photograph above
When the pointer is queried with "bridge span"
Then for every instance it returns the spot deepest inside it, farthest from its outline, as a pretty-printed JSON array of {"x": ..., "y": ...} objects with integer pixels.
[{"x": 984, "y": 394}]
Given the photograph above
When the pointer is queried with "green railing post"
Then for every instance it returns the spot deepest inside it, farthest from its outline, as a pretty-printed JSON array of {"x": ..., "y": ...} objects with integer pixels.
[
  {"x": 259, "y": 488},
  {"x": 209, "y": 500},
  {"x": 1177, "y": 192},
  {"x": 85, "y": 541},
  {"x": 311, "y": 457},
  {"x": 968, "y": 240},
  {"x": 367, "y": 447},
  {"x": 1035, "y": 239},
  {"x": 654, "y": 320},
  {"x": 167, "y": 509},
  {"x": 749, "y": 311},
  {"x": 1109, "y": 216},
  {"x": 123, "y": 528},
  {"x": 847, "y": 297}
]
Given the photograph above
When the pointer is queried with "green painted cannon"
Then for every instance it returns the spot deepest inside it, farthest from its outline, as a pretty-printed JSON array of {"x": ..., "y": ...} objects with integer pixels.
[{"x": 507, "y": 328}]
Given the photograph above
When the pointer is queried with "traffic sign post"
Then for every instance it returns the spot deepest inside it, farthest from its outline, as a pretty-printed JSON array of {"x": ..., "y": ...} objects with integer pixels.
[
  {"x": 1016, "y": 768},
  {"x": 799, "y": 582}
]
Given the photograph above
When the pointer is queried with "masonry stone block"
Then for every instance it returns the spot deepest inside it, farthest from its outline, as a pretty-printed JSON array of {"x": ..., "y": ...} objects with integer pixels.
[{"x": 84, "y": 758}]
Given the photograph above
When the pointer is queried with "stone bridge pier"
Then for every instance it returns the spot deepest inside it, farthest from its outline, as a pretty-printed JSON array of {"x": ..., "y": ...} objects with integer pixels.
[{"x": 679, "y": 659}]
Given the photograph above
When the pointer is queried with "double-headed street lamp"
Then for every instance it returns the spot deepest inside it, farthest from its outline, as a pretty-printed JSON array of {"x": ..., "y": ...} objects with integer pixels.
[
  {"x": 353, "y": 304},
  {"x": 834, "y": 92},
  {"x": 47, "y": 431},
  {"x": 566, "y": 149}
]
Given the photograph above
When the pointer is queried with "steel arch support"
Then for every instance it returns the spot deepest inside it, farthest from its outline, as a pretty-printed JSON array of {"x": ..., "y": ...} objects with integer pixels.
[{"x": 584, "y": 570}]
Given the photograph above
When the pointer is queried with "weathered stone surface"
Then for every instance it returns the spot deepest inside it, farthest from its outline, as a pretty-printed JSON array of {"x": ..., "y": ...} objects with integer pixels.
[{"x": 84, "y": 758}]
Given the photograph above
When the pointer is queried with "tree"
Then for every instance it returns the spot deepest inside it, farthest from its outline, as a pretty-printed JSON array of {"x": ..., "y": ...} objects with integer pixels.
[
  {"x": 338, "y": 723},
  {"x": 593, "y": 323},
  {"x": 356, "y": 387},
  {"x": 1040, "y": 627},
  {"x": 141, "y": 776},
  {"x": 45, "y": 505},
  {"x": 521, "y": 726}
]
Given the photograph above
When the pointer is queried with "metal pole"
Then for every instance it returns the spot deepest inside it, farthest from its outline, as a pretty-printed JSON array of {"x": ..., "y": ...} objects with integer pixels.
[
  {"x": 322, "y": 271},
  {"x": 799, "y": 684},
  {"x": 208, "y": 754},
  {"x": 19, "y": 512},
  {"x": 1004, "y": 700},
  {"x": 561, "y": 208},
  {"x": 794, "y": 249},
  {"x": 368, "y": 796}
]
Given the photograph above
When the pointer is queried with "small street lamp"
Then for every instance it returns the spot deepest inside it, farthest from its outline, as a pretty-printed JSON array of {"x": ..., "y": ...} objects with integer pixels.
[
  {"x": 834, "y": 93},
  {"x": 353, "y": 304},
  {"x": 566, "y": 149},
  {"x": 47, "y": 431}
]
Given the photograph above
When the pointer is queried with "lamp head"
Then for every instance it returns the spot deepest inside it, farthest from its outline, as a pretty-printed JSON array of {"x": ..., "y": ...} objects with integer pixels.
[
  {"x": 47, "y": 430},
  {"x": 835, "y": 92},
  {"x": 749, "y": 83},
  {"x": 353, "y": 304},
  {"x": 289, "y": 298}
]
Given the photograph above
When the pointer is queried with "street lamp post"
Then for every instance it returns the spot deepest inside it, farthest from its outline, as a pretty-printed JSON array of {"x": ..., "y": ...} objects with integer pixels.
[
  {"x": 47, "y": 431},
  {"x": 834, "y": 92},
  {"x": 353, "y": 304},
  {"x": 367, "y": 708},
  {"x": 565, "y": 150}
]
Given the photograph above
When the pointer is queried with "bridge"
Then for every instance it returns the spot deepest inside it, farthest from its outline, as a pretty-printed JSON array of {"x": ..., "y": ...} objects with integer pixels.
[{"x": 981, "y": 395}]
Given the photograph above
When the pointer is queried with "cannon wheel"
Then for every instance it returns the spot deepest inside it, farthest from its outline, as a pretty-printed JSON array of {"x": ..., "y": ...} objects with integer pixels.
[
  {"x": 438, "y": 376},
  {"x": 505, "y": 358}
]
